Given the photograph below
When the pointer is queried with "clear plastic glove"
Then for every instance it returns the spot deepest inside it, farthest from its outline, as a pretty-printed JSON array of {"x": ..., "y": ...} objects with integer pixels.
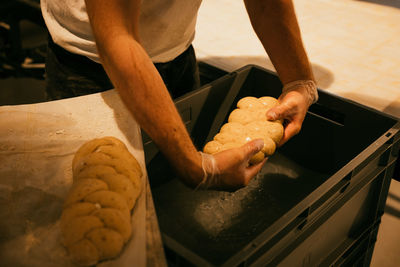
[
  {"x": 295, "y": 100},
  {"x": 230, "y": 169}
]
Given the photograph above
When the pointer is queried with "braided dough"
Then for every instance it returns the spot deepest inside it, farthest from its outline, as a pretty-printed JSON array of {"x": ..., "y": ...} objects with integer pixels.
[
  {"x": 95, "y": 222},
  {"x": 247, "y": 122}
]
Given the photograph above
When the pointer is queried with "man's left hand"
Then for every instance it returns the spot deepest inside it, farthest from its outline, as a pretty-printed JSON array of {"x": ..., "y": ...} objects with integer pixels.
[{"x": 292, "y": 111}]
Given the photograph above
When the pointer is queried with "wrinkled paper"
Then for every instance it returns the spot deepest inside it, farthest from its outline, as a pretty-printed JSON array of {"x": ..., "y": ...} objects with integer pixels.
[{"x": 37, "y": 144}]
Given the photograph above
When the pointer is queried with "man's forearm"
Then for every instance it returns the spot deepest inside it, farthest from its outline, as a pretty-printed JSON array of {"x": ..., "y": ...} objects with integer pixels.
[
  {"x": 115, "y": 28},
  {"x": 145, "y": 95},
  {"x": 275, "y": 24}
]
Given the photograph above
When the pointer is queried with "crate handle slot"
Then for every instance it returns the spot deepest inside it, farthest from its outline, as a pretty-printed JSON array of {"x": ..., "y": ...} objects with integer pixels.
[
  {"x": 302, "y": 219},
  {"x": 332, "y": 194},
  {"x": 327, "y": 114},
  {"x": 344, "y": 187}
]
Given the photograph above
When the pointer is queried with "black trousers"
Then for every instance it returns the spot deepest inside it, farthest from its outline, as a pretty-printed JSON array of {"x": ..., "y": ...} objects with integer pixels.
[{"x": 70, "y": 75}]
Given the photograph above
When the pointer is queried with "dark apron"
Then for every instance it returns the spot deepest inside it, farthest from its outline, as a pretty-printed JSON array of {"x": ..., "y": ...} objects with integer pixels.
[{"x": 70, "y": 75}]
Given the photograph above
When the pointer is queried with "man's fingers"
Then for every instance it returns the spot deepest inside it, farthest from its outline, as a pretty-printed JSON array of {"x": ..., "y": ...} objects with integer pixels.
[
  {"x": 291, "y": 130},
  {"x": 278, "y": 112},
  {"x": 252, "y": 148},
  {"x": 252, "y": 170}
]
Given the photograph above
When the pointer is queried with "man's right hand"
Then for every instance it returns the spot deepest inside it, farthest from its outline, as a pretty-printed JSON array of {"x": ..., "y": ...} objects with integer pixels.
[{"x": 230, "y": 169}]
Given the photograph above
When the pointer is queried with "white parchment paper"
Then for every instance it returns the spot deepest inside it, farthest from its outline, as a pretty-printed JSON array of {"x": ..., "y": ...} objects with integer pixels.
[{"x": 37, "y": 144}]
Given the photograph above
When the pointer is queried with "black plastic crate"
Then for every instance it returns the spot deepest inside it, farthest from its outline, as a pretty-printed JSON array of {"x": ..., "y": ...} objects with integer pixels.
[{"x": 313, "y": 199}]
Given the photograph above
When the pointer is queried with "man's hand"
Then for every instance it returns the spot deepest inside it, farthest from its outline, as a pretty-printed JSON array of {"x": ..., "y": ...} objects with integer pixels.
[
  {"x": 292, "y": 110},
  {"x": 275, "y": 24},
  {"x": 230, "y": 169},
  {"x": 295, "y": 100}
]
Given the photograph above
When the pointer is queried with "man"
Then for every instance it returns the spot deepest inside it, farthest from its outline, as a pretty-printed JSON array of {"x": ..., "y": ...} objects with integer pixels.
[{"x": 128, "y": 36}]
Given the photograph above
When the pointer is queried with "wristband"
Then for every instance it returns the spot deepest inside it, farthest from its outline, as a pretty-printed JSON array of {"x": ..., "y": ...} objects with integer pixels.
[
  {"x": 310, "y": 87},
  {"x": 210, "y": 171}
]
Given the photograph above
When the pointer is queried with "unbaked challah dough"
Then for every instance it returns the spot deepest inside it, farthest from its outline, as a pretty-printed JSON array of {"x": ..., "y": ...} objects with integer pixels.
[
  {"x": 95, "y": 222},
  {"x": 248, "y": 122}
]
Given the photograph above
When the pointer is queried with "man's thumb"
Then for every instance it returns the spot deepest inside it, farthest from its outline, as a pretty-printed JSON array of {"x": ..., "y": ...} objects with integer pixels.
[
  {"x": 276, "y": 113},
  {"x": 254, "y": 146}
]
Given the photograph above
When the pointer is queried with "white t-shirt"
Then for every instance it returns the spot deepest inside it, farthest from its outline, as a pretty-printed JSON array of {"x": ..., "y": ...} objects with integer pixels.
[{"x": 166, "y": 27}]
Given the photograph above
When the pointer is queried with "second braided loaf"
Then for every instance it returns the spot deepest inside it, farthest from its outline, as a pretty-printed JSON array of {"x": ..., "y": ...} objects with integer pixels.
[{"x": 95, "y": 222}]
